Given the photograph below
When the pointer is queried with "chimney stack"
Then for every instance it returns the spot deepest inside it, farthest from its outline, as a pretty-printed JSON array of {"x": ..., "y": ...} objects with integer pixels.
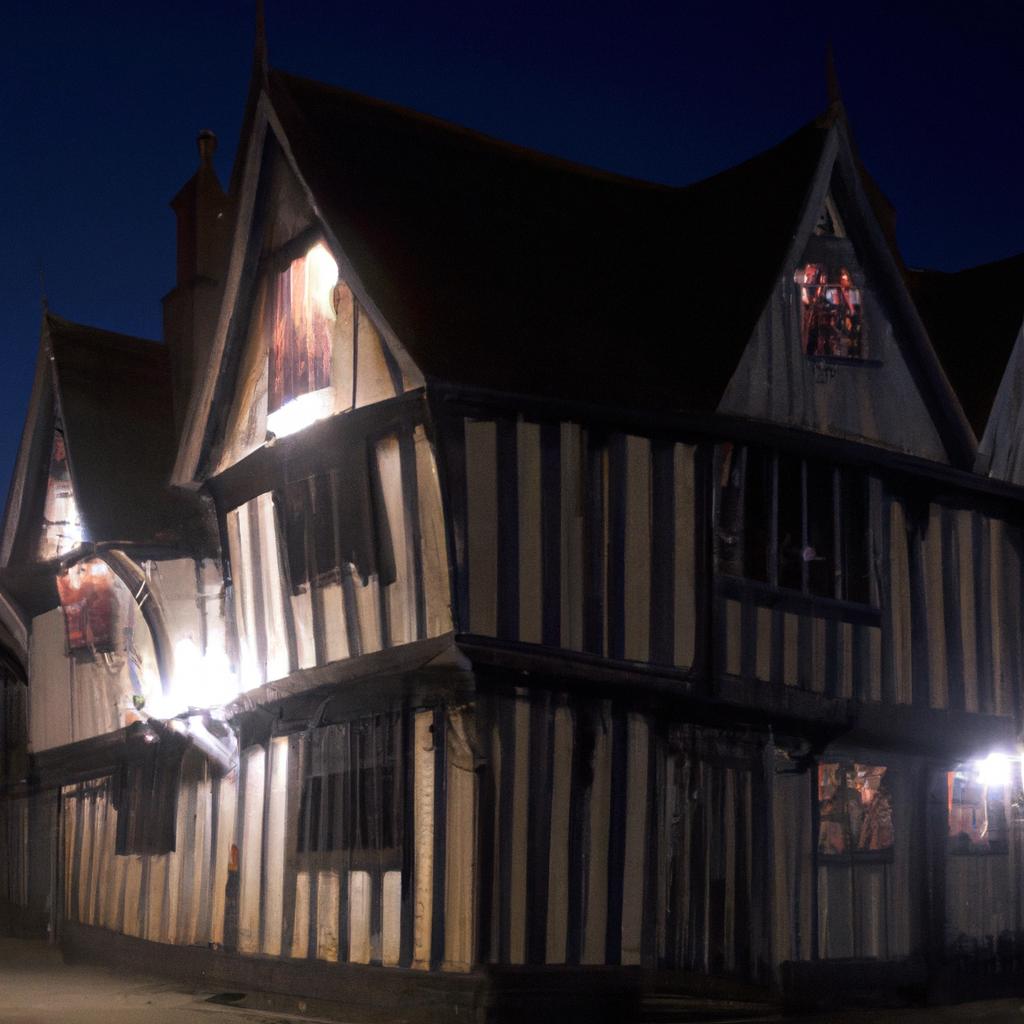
[{"x": 191, "y": 307}]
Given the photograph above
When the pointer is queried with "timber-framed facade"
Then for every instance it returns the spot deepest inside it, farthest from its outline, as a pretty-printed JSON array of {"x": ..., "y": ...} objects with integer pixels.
[{"x": 497, "y": 625}]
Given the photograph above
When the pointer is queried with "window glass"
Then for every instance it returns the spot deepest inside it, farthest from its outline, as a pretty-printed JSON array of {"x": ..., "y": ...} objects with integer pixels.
[
  {"x": 791, "y": 540},
  {"x": 62, "y": 524},
  {"x": 303, "y": 302},
  {"x": 854, "y": 810},
  {"x": 977, "y": 810},
  {"x": 351, "y": 796},
  {"x": 819, "y": 552},
  {"x": 832, "y": 311},
  {"x": 793, "y": 523},
  {"x": 86, "y": 592}
]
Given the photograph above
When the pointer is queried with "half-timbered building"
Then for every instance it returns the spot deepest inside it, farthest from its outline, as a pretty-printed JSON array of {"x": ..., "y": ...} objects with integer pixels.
[{"x": 514, "y": 586}]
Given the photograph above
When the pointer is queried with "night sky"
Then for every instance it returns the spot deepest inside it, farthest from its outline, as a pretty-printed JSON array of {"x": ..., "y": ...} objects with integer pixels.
[{"x": 100, "y": 104}]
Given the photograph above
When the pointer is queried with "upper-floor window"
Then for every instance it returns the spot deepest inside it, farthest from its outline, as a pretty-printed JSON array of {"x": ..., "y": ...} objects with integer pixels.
[
  {"x": 303, "y": 304},
  {"x": 794, "y": 523},
  {"x": 86, "y": 592},
  {"x": 830, "y": 292},
  {"x": 62, "y": 524},
  {"x": 831, "y": 312}
]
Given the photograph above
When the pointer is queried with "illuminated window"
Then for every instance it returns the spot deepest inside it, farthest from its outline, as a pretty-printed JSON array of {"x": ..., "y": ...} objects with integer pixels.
[
  {"x": 831, "y": 312},
  {"x": 62, "y": 525},
  {"x": 303, "y": 299},
  {"x": 854, "y": 811},
  {"x": 978, "y": 798},
  {"x": 87, "y": 597}
]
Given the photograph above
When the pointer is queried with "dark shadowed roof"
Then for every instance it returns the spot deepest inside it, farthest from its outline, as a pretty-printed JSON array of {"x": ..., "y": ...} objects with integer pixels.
[
  {"x": 973, "y": 318},
  {"x": 501, "y": 268},
  {"x": 113, "y": 395},
  {"x": 115, "y": 401}
]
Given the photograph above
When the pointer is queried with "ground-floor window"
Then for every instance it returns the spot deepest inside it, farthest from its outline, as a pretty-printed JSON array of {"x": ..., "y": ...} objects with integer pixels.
[{"x": 854, "y": 811}]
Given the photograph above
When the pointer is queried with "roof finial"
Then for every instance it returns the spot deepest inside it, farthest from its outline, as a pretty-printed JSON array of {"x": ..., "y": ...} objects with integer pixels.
[
  {"x": 259, "y": 50},
  {"x": 831, "y": 77}
]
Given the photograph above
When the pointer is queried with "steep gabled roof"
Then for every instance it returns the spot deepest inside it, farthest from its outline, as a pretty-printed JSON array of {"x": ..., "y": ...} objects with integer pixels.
[
  {"x": 112, "y": 394},
  {"x": 973, "y": 318},
  {"x": 502, "y": 268}
]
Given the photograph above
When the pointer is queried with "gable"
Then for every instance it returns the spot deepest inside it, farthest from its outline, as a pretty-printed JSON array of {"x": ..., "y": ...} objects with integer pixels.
[
  {"x": 1001, "y": 450},
  {"x": 95, "y": 452},
  {"x": 301, "y": 345},
  {"x": 838, "y": 348}
]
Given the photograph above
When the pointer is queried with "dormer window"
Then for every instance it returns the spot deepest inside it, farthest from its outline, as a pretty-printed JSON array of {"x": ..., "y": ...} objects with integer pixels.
[
  {"x": 832, "y": 311},
  {"x": 62, "y": 525},
  {"x": 303, "y": 309}
]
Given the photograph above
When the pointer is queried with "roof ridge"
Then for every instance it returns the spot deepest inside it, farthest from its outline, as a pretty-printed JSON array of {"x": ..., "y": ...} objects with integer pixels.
[
  {"x": 820, "y": 122},
  {"x": 64, "y": 324}
]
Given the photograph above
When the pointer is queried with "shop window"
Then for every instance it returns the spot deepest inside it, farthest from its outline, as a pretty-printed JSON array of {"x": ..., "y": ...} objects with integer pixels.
[
  {"x": 793, "y": 523},
  {"x": 977, "y": 810},
  {"x": 854, "y": 811},
  {"x": 303, "y": 302},
  {"x": 62, "y": 525},
  {"x": 352, "y": 792},
  {"x": 86, "y": 592}
]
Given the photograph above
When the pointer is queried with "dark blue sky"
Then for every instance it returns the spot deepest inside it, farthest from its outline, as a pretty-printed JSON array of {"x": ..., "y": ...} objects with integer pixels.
[{"x": 100, "y": 103}]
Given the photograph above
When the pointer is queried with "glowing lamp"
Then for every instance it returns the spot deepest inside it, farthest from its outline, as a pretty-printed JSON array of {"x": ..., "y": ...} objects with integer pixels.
[{"x": 995, "y": 770}]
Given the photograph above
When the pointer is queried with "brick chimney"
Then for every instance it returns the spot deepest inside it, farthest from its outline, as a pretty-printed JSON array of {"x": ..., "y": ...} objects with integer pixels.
[{"x": 191, "y": 307}]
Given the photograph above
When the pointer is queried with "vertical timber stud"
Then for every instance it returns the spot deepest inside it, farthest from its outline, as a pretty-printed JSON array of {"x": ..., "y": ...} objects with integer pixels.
[
  {"x": 663, "y": 567},
  {"x": 508, "y": 529},
  {"x": 440, "y": 822},
  {"x": 919, "y": 679},
  {"x": 704, "y": 564},
  {"x": 889, "y": 624},
  {"x": 815, "y": 938},
  {"x": 616, "y": 547},
  {"x": 551, "y": 533},
  {"x": 405, "y": 951},
  {"x": 579, "y": 813},
  {"x": 413, "y": 529},
  {"x": 656, "y": 783},
  {"x": 617, "y": 836},
  {"x": 506, "y": 821},
  {"x": 539, "y": 826},
  {"x": 487, "y": 802},
  {"x": 594, "y": 546},
  {"x": 934, "y": 791},
  {"x": 981, "y": 542},
  {"x": 337, "y": 813},
  {"x": 951, "y": 610},
  {"x": 458, "y": 503}
]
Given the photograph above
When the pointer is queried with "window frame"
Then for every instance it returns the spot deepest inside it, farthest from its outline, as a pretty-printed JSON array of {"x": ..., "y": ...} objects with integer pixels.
[
  {"x": 772, "y": 573},
  {"x": 359, "y": 855},
  {"x": 986, "y": 848},
  {"x": 850, "y": 856}
]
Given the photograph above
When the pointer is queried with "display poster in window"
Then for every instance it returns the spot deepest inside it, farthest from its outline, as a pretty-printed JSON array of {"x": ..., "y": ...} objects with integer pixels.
[
  {"x": 854, "y": 811},
  {"x": 86, "y": 593}
]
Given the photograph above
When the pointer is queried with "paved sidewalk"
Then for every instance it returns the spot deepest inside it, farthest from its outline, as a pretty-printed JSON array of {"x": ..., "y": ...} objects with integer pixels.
[{"x": 37, "y": 987}]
